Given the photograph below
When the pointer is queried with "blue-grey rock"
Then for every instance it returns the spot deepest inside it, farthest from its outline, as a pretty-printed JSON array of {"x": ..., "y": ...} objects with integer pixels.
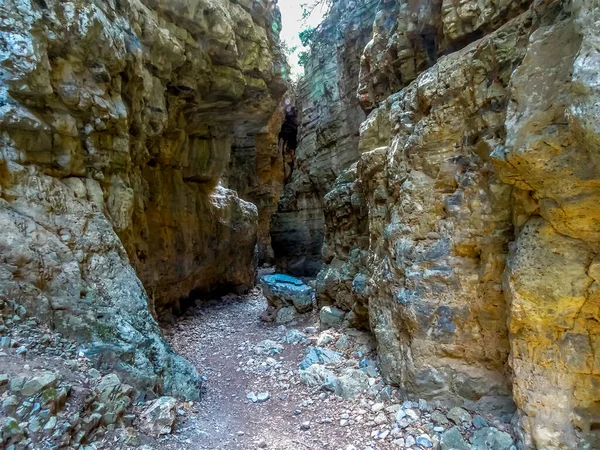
[
  {"x": 453, "y": 440},
  {"x": 351, "y": 383},
  {"x": 5, "y": 343},
  {"x": 406, "y": 403},
  {"x": 282, "y": 291},
  {"x": 479, "y": 422},
  {"x": 400, "y": 414},
  {"x": 16, "y": 383},
  {"x": 424, "y": 441},
  {"x": 285, "y": 315},
  {"x": 317, "y": 375},
  {"x": 331, "y": 316},
  {"x": 268, "y": 347},
  {"x": 490, "y": 438},
  {"x": 10, "y": 404},
  {"x": 385, "y": 394},
  {"x": 342, "y": 343},
  {"x": 12, "y": 429},
  {"x": 263, "y": 397},
  {"x": 294, "y": 337},
  {"x": 439, "y": 418},
  {"x": 319, "y": 355},
  {"x": 459, "y": 415},
  {"x": 39, "y": 383}
]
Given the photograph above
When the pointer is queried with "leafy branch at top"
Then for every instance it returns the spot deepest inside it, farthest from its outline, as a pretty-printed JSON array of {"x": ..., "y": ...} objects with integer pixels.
[
  {"x": 307, "y": 37},
  {"x": 308, "y": 8}
]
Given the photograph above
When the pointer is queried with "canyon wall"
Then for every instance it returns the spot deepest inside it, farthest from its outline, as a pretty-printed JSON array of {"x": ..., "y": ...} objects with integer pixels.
[
  {"x": 256, "y": 172},
  {"x": 116, "y": 122},
  {"x": 465, "y": 235},
  {"x": 330, "y": 115}
]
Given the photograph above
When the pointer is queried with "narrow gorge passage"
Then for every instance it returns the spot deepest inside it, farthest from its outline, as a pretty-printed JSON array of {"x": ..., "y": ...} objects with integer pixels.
[{"x": 399, "y": 249}]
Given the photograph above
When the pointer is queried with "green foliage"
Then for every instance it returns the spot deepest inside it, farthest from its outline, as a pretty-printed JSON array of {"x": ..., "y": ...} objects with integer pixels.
[
  {"x": 289, "y": 51},
  {"x": 308, "y": 8},
  {"x": 303, "y": 58},
  {"x": 307, "y": 37}
]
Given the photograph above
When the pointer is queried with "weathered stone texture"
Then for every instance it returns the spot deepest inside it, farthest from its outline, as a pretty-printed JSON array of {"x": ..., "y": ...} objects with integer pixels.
[
  {"x": 439, "y": 222},
  {"x": 550, "y": 155},
  {"x": 116, "y": 122},
  {"x": 328, "y": 137},
  {"x": 256, "y": 172},
  {"x": 345, "y": 251},
  {"x": 466, "y": 236},
  {"x": 410, "y": 35}
]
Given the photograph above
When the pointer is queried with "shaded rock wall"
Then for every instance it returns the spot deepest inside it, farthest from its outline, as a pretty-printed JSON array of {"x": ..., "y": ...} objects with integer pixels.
[
  {"x": 328, "y": 137},
  {"x": 466, "y": 234},
  {"x": 116, "y": 123},
  {"x": 256, "y": 172}
]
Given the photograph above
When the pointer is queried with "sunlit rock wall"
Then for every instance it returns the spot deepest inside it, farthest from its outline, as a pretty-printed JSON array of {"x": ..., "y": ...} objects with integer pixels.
[
  {"x": 466, "y": 236},
  {"x": 116, "y": 123},
  {"x": 550, "y": 157},
  {"x": 410, "y": 35}
]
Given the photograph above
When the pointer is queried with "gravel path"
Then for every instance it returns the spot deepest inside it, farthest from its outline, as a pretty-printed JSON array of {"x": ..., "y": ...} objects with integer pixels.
[
  {"x": 220, "y": 338},
  {"x": 245, "y": 359}
]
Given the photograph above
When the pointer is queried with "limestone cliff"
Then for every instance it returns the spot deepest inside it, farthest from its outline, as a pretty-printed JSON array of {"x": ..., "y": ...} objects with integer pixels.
[
  {"x": 465, "y": 236},
  {"x": 330, "y": 115},
  {"x": 116, "y": 123}
]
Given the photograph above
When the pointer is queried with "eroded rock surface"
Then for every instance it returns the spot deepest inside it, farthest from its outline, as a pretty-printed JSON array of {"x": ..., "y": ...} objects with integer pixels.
[
  {"x": 466, "y": 234},
  {"x": 116, "y": 123},
  {"x": 328, "y": 136},
  {"x": 410, "y": 36},
  {"x": 256, "y": 172},
  {"x": 550, "y": 156}
]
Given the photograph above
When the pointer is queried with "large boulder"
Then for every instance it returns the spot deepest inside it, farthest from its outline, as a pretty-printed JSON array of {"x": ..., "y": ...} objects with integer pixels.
[{"x": 283, "y": 291}]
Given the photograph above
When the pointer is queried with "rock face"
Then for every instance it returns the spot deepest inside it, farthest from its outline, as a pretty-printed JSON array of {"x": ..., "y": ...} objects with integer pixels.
[
  {"x": 116, "y": 121},
  {"x": 328, "y": 137},
  {"x": 550, "y": 157},
  {"x": 410, "y": 36},
  {"x": 466, "y": 234},
  {"x": 256, "y": 172}
]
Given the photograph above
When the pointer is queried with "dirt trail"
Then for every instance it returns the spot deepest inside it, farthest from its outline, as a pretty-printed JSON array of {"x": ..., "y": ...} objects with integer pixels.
[{"x": 219, "y": 337}]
